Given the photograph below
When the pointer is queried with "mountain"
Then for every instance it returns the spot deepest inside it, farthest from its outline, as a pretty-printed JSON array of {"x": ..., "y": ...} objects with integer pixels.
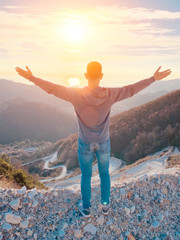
[
  {"x": 135, "y": 101},
  {"x": 10, "y": 90},
  {"x": 163, "y": 85},
  {"x": 155, "y": 90},
  {"x": 137, "y": 132},
  {"x": 147, "y": 128},
  {"x": 20, "y": 119}
]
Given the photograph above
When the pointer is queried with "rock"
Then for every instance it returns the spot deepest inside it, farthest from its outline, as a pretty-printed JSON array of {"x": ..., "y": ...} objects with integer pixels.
[
  {"x": 57, "y": 218},
  {"x": 127, "y": 210},
  {"x": 7, "y": 227},
  {"x": 90, "y": 228},
  {"x": 156, "y": 238},
  {"x": 109, "y": 222},
  {"x": 22, "y": 190},
  {"x": 29, "y": 233},
  {"x": 29, "y": 217},
  {"x": 133, "y": 208},
  {"x": 55, "y": 193},
  {"x": 136, "y": 197},
  {"x": 164, "y": 190},
  {"x": 15, "y": 204},
  {"x": 61, "y": 233},
  {"x": 65, "y": 225},
  {"x": 129, "y": 194},
  {"x": 11, "y": 218},
  {"x": 160, "y": 217},
  {"x": 122, "y": 191},
  {"x": 78, "y": 233},
  {"x": 179, "y": 181},
  {"x": 35, "y": 203},
  {"x": 24, "y": 224},
  {"x": 17, "y": 234},
  {"x": 32, "y": 193},
  {"x": 131, "y": 237},
  {"x": 100, "y": 220},
  {"x": 43, "y": 191},
  {"x": 155, "y": 224},
  {"x": 35, "y": 236}
]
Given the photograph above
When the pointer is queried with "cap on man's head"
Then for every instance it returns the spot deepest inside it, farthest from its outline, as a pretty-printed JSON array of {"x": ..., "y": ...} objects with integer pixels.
[{"x": 94, "y": 69}]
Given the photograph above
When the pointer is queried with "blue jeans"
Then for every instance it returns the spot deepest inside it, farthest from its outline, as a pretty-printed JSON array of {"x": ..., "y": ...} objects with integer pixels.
[{"x": 86, "y": 153}]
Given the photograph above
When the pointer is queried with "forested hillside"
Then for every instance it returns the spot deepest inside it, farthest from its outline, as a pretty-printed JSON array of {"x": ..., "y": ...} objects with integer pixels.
[
  {"x": 136, "y": 133},
  {"x": 21, "y": 119},
  {"x": 147, "y": 128}
]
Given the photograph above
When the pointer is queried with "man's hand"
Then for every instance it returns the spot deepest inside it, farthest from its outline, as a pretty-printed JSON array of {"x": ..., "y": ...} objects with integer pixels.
[
  {"x": 160, "y": 75},
  {"x": 26, "y": 74}
]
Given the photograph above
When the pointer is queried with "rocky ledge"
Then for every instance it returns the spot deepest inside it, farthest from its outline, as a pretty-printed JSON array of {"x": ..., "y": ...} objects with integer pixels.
[{"x": 145, "y": 208}]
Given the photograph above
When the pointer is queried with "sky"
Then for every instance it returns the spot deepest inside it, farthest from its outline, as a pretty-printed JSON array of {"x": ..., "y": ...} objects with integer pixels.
[{"x": 57, "y": 39}]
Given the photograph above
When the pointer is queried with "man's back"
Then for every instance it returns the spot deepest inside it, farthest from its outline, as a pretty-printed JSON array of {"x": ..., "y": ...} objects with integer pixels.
[{"x": 92, "y": 106}]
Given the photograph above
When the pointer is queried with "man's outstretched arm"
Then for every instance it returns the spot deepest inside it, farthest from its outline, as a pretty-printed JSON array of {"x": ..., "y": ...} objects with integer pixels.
[
  {"x": 119, "y": 94},
  {"x": 59, "y": 91}
]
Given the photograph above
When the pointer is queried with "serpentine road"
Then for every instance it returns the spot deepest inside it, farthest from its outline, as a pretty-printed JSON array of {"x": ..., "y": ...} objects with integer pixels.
[{"x": 58, "y": 181}]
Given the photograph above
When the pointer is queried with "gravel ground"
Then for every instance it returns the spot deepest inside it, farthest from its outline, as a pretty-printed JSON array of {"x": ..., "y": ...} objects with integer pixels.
[{"x": 143, "y": 208}]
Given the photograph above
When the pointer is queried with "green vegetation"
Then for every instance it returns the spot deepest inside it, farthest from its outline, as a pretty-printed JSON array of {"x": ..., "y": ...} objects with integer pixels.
[
  {"x": 38, "y": 169},
  {"x": 18, "y": 175},
  {"x": 146, "y": 129}
]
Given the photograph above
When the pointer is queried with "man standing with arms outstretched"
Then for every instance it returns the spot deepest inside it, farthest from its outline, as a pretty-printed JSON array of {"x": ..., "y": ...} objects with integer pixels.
[{"x": 92, "y": 105}]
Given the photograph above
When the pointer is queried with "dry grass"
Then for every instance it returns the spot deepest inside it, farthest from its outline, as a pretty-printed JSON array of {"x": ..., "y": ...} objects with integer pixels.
[
  {"x": 4, "y": 183},
  {"x": 173, "y": 161}
]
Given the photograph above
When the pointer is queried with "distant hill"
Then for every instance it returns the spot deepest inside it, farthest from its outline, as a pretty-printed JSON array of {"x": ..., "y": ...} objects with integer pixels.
[
  {"x": 155, "y": 90},
  {"x": 136, "y": 133},
  {"x": 58, "y": 123},
  {"x": 135, "y": 101},
  {"x": 163, "y": 85},
  {"x": 12, "y": 90},
  {"x": 20, "y": 119}
]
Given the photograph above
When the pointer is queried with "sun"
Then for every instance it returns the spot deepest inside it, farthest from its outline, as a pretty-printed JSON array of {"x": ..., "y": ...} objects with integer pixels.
[
  {"x": 74, "y": 31},
  {"x": 73, "y": 82}
]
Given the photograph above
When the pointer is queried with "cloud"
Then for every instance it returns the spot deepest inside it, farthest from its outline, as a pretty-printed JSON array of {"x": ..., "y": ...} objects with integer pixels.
[
  {"x": 113, "y": 34},
  {"x": 32, "y": 46},
  {"x": 121, "y": 14},
  {"x": 15, "y": 7},
  {"x": 3, "y": 50}
]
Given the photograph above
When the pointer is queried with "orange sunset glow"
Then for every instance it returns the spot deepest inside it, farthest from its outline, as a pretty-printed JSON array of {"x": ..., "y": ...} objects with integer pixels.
[
  {"x": 74, "y": 82},
  {"x": 58, "y": 40}
]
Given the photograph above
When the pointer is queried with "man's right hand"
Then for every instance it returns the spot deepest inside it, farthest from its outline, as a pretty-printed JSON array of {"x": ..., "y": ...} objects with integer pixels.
[{"x": 26, "y": 74}]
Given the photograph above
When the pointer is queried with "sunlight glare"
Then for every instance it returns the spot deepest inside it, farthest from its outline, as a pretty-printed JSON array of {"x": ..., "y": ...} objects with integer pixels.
[
  {"x": 73, "y": 82},
  {"x": 74, "y": 31}
]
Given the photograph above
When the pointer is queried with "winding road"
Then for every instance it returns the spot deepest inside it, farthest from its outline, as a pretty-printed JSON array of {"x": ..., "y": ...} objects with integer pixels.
[
  {"x": 147, "y": 167},
  {"x": 58, "y": 181},
  {"x": 114, "y": 164}
]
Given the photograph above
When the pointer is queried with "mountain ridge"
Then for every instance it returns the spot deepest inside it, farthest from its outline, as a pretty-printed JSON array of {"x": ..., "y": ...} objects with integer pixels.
[
  {"x": 135, "y": 128},
  {"x": 21, "y": 119}
]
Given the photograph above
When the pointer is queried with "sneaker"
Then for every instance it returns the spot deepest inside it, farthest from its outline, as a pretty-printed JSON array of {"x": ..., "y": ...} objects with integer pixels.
[
  {"x": 105, "y": 208},
  {"x": 84, "y": 211}
]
